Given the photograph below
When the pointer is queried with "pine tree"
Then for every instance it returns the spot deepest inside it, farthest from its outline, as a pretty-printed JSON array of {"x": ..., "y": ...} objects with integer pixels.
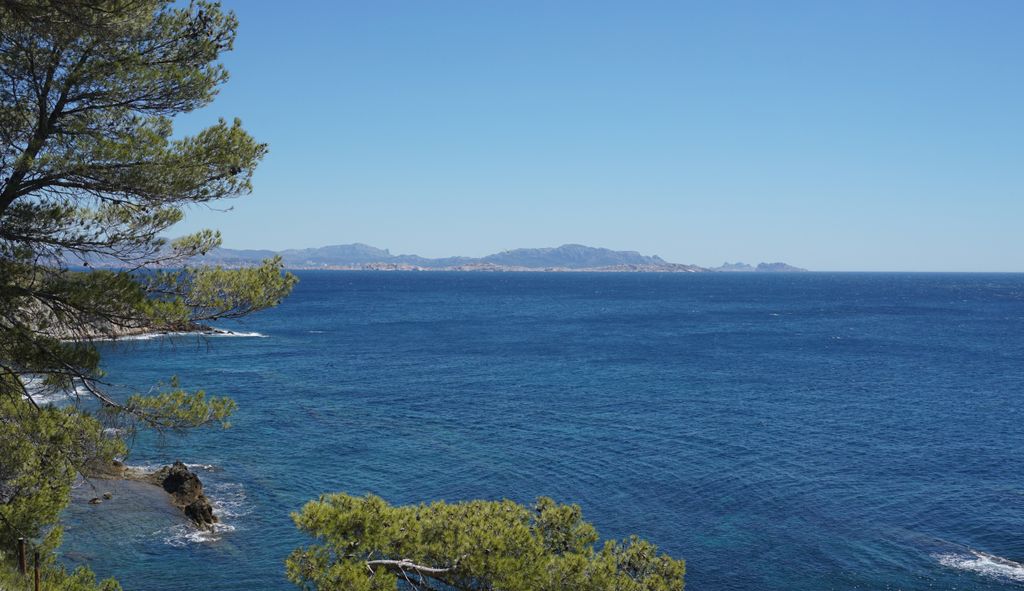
[
  {"x": 368, "y": 545},
  {"x": 92, "y": 174}
]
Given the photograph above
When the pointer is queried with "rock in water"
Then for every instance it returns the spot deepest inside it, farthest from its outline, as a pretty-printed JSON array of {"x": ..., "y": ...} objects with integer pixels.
[
  {"x": 201, "y": 512},
  {"x": 186, "y": 492}
]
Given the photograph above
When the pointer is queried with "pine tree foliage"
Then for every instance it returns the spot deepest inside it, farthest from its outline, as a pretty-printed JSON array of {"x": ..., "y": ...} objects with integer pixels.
[
  {"x": 56, "y": 577},
  {"x": 367, "y": 545},
  {"x": 92, "y": 174}
]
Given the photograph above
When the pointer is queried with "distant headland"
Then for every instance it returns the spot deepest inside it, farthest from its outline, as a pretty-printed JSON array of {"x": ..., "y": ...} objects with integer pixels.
[{"x": 565, "y": 258}]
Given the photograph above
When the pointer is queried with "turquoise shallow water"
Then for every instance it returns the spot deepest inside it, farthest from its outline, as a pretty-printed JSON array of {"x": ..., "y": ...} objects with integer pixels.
[{"x": 797, "y": 431}]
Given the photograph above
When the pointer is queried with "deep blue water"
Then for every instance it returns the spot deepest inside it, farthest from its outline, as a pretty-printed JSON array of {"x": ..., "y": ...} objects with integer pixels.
[{"x": 790, "y": 432}]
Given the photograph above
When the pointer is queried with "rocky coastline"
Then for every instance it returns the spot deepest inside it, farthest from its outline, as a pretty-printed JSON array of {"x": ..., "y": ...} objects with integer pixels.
[
  {"x": 114, "y": 332},
  {"x": 183, "y": 486}
]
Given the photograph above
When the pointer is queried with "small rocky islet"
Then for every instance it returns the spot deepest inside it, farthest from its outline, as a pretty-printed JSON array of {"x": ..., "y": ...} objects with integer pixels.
[{"x": 183, "y": 486}]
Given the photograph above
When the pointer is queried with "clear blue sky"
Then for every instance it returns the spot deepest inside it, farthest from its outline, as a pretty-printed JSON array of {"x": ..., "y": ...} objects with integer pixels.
[{"x": 866, "y": 135}]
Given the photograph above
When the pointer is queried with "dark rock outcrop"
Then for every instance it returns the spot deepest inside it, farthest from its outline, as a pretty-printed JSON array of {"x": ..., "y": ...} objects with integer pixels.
[{"x": 186, "y": 492}]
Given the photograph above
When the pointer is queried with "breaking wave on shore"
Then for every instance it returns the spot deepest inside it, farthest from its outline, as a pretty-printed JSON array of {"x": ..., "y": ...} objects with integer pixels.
[
  {"x": 229, "y": 501},
  {"x": 149, "y": 468},
  {"x": 219, "y": 333},
  {"x": 45, "y": 394}
]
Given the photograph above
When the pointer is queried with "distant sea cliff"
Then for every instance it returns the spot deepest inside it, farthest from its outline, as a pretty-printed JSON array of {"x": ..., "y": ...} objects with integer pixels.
[{"x": 565, "y": 258}]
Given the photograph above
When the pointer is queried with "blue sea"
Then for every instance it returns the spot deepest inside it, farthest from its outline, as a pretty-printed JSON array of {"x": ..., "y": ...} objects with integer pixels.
[{"x": 780, "y": 432}]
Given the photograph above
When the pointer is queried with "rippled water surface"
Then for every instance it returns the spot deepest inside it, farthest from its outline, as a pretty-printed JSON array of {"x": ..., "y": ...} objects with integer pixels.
[{"x": 790, "y": 432}]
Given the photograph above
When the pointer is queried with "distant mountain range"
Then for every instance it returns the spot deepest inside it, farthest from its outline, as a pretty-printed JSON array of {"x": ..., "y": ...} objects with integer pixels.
[{"x": 568, "y": 257}]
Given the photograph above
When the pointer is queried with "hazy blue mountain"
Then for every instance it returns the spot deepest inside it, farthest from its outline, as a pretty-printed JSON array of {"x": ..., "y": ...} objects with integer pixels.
[
  {"x": 778, "y": 268},
  {"x": 341, "y": 254},
  {"x": 762, "y": 268},
  {"x": 567, "y": 256},
  {"x": 571, "y": 256},
  {"x": 733, "y": 268}
]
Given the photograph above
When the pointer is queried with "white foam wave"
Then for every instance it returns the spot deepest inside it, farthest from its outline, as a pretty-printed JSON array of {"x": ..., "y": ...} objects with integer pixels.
[
  {"x": 205, "y": 333},
  {"x": 183, "y": 534},
  {"x": 144, "y": 468},
  {"x": 983, "y": 564},
  {"x": 45, "y": 394},
  {"x": 229, "y": 333},
  {"x": 156, "y": 466},
  {"x": 229, "y": 500},
  {"x": 45, "y": 398},
  {"x": 204, "y": 467},
  {"x": 139, "y": 337},
  {"x": 149, "y": 336}
]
